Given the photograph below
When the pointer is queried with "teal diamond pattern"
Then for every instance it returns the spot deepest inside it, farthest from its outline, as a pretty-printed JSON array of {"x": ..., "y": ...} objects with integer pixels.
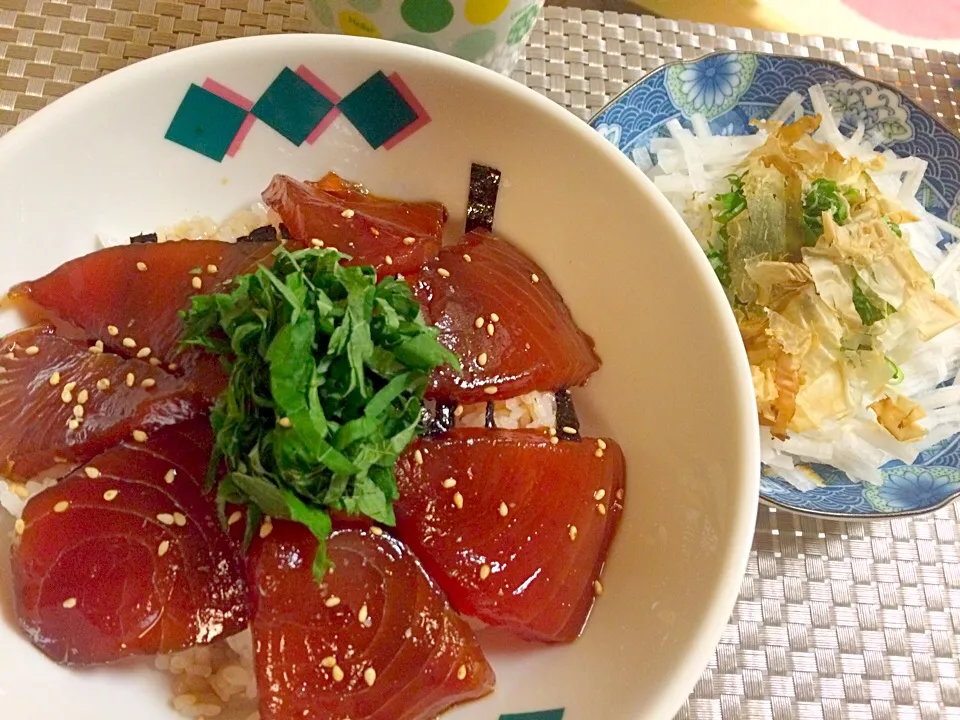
[
  {"x": 299, "y": 106},
  {"x": 206, "y": 123}
]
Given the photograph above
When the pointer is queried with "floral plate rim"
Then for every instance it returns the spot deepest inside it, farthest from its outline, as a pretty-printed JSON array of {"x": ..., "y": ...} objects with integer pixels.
[{"x": 765, "y": 498}]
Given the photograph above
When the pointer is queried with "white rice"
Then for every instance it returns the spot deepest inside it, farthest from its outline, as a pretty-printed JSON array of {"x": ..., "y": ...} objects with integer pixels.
[
  {"x": 237, "y": 225},
  {"x": 533, "y": 410},
  {"x": 690, "y": 168}
]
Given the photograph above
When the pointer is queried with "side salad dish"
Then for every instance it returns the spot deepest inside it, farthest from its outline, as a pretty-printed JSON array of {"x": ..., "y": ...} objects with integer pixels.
[
  {"x": 844, "y": 288},
  {"x": 300, "y": 458}
]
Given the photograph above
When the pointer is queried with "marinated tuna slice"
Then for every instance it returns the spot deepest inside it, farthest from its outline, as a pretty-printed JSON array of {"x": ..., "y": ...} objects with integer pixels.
[
  {"x": 61, "y": 403},
  {"x": 130, "y": 297},
  {"x": 392, "y": 235},
  {"x": 126, "y": 555},
  {"x": 376, "y": 641},
  {"x": 499, "y": 312},
  {"x": 512, "y": 525}
]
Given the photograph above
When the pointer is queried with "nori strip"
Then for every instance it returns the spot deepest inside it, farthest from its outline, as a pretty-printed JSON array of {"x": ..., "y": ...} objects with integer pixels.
[
  {"x": 482, "y": 200},
  {"x": 144, "y": 239},
  {"x": 488, "y": 420},
  {"x": 443, "y": 417},
  {"x": 284, "y": 232},
  {"x": 267, "y": 233},
  {"x": 567, "y": 416}
]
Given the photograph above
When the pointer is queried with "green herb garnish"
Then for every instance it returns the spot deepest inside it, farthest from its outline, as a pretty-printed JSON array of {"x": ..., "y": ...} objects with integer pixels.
[
  {"x": 870, "y": 310},
  {"x": 825, "y": 196},
  {"x": 895, "y": 369},
  {"x": 717, "y": 255},
  {"x": 327, "y": 374},
  {"x": 893, "y": 226},
  {"x": 730, "y": 203}
]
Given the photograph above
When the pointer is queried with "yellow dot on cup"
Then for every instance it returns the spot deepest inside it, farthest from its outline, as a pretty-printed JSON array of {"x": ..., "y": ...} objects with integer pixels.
[
  {"x": 481, "y": 12},
  {"x": 355, "y": 23}
]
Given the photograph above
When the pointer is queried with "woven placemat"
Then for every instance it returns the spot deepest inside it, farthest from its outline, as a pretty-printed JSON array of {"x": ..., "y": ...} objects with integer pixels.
[{"x": 834, "y": 620}]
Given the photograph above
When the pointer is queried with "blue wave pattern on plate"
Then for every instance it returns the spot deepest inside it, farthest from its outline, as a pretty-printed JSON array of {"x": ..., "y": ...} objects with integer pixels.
[{"x": 730, "y": 90}]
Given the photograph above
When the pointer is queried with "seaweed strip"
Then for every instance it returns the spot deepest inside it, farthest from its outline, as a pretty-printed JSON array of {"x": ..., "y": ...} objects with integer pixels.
[
  {"x": 482, "y": 200},
  {"x": 267, "y": 233},
  {"x": 144, "y": 239},
  {"x": 567, "y": 416},
  {"x": 489, "y": 421}
]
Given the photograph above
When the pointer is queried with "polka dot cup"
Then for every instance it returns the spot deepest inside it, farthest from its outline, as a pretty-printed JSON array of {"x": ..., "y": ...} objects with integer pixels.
[{"x": 491, "y": 33}]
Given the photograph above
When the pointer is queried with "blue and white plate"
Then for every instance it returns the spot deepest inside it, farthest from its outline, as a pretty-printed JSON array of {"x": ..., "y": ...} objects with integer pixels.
[{"x": 730, "y": 90}]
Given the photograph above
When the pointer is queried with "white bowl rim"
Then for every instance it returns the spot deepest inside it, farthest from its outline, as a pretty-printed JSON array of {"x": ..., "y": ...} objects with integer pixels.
[{"x": 725, "y": 593}]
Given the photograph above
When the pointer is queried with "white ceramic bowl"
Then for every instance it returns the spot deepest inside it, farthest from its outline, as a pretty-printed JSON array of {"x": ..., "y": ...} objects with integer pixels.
[{"x": 674, "y": 387}]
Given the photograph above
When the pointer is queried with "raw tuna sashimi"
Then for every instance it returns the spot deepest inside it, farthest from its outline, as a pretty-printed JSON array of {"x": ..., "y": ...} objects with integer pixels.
[
  {"x": 376, "y": 641},
  {"x": 499, "y": 312},
  {"x": 513, "y": 525},
  {"x": 392, "y": 235},
  {"x": 126, "y": 555},
  {"x": 61, "y": 403},
  {"x": 129, "y": 297}
]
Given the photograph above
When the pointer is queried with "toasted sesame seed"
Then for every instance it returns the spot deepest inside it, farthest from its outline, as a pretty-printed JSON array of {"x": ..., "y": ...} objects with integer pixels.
[
  {"x": 140, "y": 436},
  {"x": 376, "y": 530},
  {"x": 165, "y": 518},
  {"x": 362, "y": 615},
  {"x": 180, "y": 519},
  {"x": 601, "y": 508},
  {"x": 55, "y": 378},
  {"x": 73, "y": 423},
  {"x": 458, "y": 500},
  {"x": 337, "y": 673},
  {"x": 69, "y": 386},
  {"x": 113, "y": 330},
  {"x": 332, "y": 601},
  {"x": 328, "y": 662},
  {"x": 491, "y": 329},
  {"x": 494, "y": 317},
  {"x": 597, "y": 588},
  {"x": 443, "y": 272},
  {"x": 316, "y": 242},
  {"x": 348, "y": 213},
  {"x": 131, "y": 379},
  {"x": 284, "y": 422},
  {"x": 196, "y": 282},
  {"x": 535, "y": 277},
  {"x": 61, "y": 506},
  {"x": 266, "y": 529},
  {"x": 129, "y": 342},
  {"x": 478, "y": 323},
  {"x": 449, "y": 483},
  {"x": 620, "y": 494},
  {"x": 458, "y": 410},
  {"x": 569, "y": 430},
  {"x": 554, "y": 440},
  {"x": 66, "y": 396},
  {"x": 148, "y": 383},
  {"x": 484, "y": 571},
  {"x": 490, "y": 390},
  {"x": 572, "y": 532},
  {"x": 598, "y": 453},
  {"x": 172, "y": 367},
  {"x": 601, "y": 443},
  {"x": 482, "y": 359},
  {"x": 32, "y": 350},
  {"x": 70, "y": 603},
  {"x": 370, "y": 676},
  {"x": 91, "y": 472},
  {"x": 461, "y": 672},
  {"x": 19, "y": 526},
  {"x": 374, "y": 232},
  {"x": 142, "y": 266},
  {"x": 503, "y": 509},
  {"x": 144, "y": 352},
  {"x": 103, "y": 384},
  {"x": 409, "y": 241},
  {"x": 82, "y": 397},
  {"x": 408, "y": 633},
  {"x": 235, "y": 517},
  {"x": 110, "y": 495},
  {"x": 78, "y": 411},
  {"x": 418, "y": 457},
  {"x": 599, "y": 494},
  {"x": 388, "y": 260},
  {"x": 97, "y": 347},
  {"x": 162, "y": 550},
  {"x": 212, "y": 269},
  {"x": 552, "y": 432},
  {"x": 155, "y": 361}
]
